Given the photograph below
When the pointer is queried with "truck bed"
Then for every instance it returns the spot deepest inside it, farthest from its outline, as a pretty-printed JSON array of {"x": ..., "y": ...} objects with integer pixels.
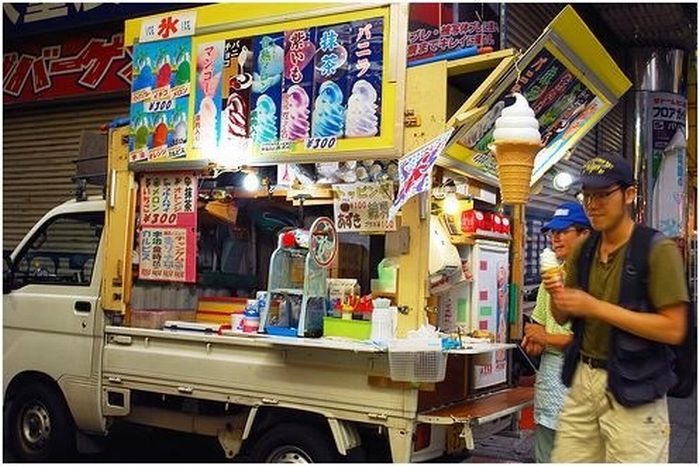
[{"x": 254, "y": 371}]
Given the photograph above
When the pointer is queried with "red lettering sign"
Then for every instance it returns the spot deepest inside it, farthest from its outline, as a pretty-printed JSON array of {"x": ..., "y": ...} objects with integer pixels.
[{"x": 69, "y": 66}]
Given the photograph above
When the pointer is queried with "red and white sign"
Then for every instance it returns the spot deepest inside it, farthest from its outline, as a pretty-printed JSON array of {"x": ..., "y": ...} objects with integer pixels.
[
  {"x": 168, "y": 233},
  {"x": 77, "y": 65},
  {"x": 168, "y": 26}
]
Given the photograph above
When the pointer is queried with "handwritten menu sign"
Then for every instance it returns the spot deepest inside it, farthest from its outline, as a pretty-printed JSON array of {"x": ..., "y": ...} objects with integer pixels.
[
  {"x": 562, "y": 104},
  {"x": 363, "y": 207},
  {"x": 168, "y": 227}
]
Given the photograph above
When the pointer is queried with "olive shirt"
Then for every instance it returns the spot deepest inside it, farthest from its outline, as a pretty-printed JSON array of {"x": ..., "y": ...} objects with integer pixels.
[{"x": 667, "y": 286}]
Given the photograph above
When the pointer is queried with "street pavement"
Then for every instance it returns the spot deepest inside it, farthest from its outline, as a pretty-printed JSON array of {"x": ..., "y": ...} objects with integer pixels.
[
  {"x": 683, "y": 448},
  {"x": 130, "y": 443}
]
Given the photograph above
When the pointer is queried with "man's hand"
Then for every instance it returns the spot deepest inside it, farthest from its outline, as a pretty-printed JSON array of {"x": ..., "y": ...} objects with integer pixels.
[
  {"x": 574, "y": 302},
  {"x": 530, "y": 347},
  {"x": 535, "y": 333},
  {"x": 552, "y": 282}
]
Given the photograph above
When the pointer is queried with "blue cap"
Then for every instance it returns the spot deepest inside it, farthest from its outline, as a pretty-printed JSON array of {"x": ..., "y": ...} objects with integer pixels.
[
  {"x": 566, "y": 215},
  {"x": 606, "y": 170}
]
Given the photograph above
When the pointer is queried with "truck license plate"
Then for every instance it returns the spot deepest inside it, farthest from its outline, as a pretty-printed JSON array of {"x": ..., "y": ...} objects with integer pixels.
[{"x": 455, "y": 443}]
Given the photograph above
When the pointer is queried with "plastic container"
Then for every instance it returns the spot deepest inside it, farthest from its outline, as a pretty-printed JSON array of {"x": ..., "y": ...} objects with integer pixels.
[
  {"x": 387, "y": 270},
  {"x": 417, "y": 361},
  {"x": 354, "y": 329}
]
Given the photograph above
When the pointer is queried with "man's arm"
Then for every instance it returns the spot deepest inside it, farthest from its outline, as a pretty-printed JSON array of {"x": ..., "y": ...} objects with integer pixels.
[
  {"x": 667, "y": 325},
  {"x": 538, "y": 334}
]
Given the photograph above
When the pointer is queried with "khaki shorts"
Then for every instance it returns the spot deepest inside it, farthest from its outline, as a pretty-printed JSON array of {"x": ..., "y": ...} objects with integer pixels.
[{"x": 595, "y": 428}]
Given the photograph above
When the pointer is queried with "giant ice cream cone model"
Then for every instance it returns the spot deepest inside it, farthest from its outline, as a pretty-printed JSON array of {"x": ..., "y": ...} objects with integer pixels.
[{"x": 516, "y": 143}]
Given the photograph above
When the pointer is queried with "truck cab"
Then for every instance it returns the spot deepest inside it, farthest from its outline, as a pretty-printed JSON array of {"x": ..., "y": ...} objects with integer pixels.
[{"x": 53, "y": 328}]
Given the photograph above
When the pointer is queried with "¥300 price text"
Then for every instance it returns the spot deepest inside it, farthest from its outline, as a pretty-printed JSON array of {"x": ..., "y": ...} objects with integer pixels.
[{"x": 321, "y": 143}]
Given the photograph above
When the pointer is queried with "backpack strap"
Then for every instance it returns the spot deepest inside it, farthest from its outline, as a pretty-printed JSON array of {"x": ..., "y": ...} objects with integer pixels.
[{"x": 635, "y": 275}]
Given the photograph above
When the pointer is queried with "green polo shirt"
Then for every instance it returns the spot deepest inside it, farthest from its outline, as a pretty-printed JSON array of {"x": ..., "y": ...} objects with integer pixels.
[{"x": 667, "y": 286}]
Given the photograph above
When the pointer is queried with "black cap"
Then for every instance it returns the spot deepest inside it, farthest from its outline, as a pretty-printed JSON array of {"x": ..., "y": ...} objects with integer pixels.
[{"x": 606, "y": 170}]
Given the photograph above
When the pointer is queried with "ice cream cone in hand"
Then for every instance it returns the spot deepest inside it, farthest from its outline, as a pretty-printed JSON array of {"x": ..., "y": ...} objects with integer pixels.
[
  {"x": 516, "y": 143},
  {"x": 550, "y": 267}
]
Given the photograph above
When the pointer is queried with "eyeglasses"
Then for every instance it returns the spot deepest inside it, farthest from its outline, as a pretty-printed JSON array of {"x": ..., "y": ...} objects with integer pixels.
[
  {"x": 598, "y": 197},
  {"x": 554, "y": 233}
]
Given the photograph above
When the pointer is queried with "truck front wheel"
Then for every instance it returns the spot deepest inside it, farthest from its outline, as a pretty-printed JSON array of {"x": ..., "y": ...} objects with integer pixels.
[
  {"x": 294, "y": 443},
  {"x": 41, "y": 428}
]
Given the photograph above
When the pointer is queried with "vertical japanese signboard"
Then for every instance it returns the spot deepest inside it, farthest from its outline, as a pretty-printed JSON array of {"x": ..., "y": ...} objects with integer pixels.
[
  {"x": 363, "y": 207},
  {"x": 666, "y": 147},
  {"x": 168, "y": 227},
  {"x": 160, "y": 100}
]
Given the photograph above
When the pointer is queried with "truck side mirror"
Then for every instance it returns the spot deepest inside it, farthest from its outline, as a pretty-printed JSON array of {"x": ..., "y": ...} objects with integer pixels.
[{"x": 8, "y": 274}]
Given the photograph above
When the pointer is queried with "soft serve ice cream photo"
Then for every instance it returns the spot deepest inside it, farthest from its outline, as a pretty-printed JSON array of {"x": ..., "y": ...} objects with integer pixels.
[{"x": 517, "y": 141}]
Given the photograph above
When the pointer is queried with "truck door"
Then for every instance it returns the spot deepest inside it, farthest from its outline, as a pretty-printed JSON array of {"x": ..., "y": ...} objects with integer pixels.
[{"x": 50, "y": 312}]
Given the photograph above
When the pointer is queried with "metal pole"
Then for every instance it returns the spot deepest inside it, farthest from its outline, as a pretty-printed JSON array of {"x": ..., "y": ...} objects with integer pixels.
[{"x": 518, "y": 268}]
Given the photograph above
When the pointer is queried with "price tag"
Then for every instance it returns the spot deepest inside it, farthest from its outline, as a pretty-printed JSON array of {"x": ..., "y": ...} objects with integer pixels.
[
  {"x": 160, "y": 106},
  {"x": 168, "y": 26},
  {"x": 321, "y": 143}
]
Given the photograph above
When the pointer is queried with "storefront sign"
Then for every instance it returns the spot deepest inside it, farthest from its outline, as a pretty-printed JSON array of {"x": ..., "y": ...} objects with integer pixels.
[
  {"x": 415, "y": 169},
  {"x": 168, "y": 26},
  {"x": 168, "y": 227},
  {"x": 363, "y": 207},
  {"x": 77, "y": 65},
  {"x": 160, "y": 100},
  {"x": 437, "y": 28}
]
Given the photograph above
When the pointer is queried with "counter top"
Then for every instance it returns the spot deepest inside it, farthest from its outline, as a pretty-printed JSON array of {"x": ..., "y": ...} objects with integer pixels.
[{"x": 262, "y": 340}]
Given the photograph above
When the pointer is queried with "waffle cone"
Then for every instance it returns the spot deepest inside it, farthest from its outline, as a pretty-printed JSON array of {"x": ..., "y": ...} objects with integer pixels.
[
  {"x": 515, "y": 160},
  {"x": 553, "y": 272}
]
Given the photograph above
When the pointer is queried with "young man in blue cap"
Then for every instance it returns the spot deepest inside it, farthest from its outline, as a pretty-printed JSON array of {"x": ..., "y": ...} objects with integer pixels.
[
  {"x": 567, "y": 228},
  {"x": 626, "y": 297}
]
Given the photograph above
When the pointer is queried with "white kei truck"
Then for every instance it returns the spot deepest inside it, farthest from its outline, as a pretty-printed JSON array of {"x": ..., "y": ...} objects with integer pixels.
[{"x": 72, "y": 368}]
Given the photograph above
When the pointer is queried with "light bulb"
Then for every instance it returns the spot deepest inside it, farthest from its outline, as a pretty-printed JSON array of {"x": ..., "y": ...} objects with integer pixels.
[
  {"x": 251, "y": 182},
  {"x": 451, "y": 204},
  {"x": 562, "y": 181}
]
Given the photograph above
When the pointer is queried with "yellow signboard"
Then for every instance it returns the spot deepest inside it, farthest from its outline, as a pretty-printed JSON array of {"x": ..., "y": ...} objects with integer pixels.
[
  {"x": 570, "y": 82},
  {"x": 271, "y": 83}
]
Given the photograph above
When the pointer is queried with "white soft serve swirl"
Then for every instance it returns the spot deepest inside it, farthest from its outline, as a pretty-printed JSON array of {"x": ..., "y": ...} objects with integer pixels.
[{"x": 517, "y": 123}]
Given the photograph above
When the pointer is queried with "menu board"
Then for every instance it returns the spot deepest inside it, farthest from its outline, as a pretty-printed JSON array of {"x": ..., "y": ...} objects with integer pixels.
[
  {"x": 168, "y": 226},
  {"x": 562, "y": 104},
  {"x": 160, "y": 104},
  {"x": 363, "y": 207},
  {"x": 310, "y": 87}
]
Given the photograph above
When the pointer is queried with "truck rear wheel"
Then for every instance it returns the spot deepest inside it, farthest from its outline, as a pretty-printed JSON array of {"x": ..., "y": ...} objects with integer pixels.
[
  {"x": 294, "y": 443},
  {"x": 41, "y": 428}
]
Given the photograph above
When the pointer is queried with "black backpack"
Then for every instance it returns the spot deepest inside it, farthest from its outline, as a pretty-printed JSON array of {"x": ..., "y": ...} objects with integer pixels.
[{"x": 642, "y": 240}]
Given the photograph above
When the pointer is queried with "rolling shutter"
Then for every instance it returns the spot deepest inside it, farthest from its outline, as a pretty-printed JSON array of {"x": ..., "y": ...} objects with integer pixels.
[{"x": 39, "y": 146}]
